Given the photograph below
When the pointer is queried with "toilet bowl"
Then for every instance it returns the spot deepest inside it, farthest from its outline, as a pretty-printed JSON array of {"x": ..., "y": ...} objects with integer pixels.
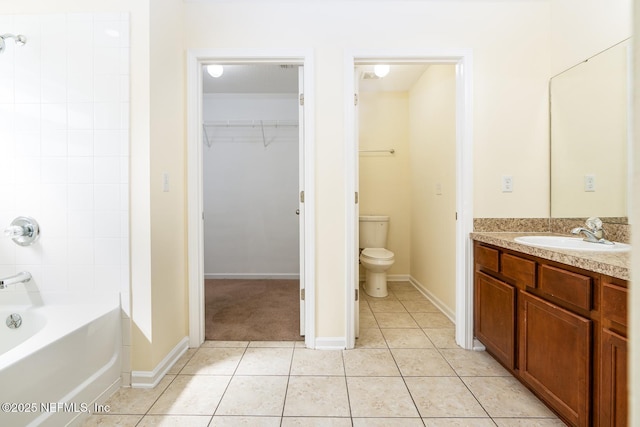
[{"x": 376, "y": 262}]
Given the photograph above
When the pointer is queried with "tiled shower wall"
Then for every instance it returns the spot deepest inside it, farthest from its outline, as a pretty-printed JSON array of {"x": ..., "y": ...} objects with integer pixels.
[{"x": 64, "y": 150}]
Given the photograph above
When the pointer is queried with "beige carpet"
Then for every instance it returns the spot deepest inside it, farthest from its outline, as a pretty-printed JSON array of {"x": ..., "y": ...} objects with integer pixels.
[{"x": 252, "y": 310}]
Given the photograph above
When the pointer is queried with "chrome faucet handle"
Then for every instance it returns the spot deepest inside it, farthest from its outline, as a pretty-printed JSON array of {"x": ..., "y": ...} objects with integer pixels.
[
  {"x": 23, "y": 230},
  {"x": 15, "y": 231},
  {"x": 593, "y": 223}
]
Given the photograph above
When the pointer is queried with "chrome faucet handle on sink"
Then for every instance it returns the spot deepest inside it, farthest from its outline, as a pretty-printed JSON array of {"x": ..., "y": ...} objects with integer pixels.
[{"x": 593, "y": 232}]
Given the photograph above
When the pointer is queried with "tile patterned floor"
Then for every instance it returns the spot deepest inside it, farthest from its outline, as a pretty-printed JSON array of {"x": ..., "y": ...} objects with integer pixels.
[{"x": 406, "y": 370}]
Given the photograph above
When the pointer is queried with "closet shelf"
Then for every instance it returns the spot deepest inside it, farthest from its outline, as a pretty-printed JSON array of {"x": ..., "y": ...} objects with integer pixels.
[{"x": 265, "y": 131}]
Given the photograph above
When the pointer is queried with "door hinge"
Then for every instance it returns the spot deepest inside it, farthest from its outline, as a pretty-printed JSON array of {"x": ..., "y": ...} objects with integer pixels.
[
  {"x": 302, "y": 99},
  {"x": 357, "y": 295},
  {"x": 356, "y": 197},
  {"x": 302, "y": 196},
  {"x": 355, "y": 99},
  {"x": 302, "y": 294},
  {"x": 456, "y": 216}
]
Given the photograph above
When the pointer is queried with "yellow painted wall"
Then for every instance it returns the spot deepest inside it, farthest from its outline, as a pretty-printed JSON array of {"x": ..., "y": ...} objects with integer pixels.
[
  {"x": 433, "y": 163},
  {"x": 384, "y": 178}
]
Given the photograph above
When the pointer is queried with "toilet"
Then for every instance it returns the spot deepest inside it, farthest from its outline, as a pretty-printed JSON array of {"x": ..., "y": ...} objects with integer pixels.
[{"x": 375, "y": 259}]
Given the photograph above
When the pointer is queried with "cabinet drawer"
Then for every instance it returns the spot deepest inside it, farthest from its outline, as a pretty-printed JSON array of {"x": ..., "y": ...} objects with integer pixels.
[
  {"x": 614, "y": 306},
  {"x": 567, "y": 286},
  {"x": 519, "y": 269},
  {"x": 487, "y": 257}
]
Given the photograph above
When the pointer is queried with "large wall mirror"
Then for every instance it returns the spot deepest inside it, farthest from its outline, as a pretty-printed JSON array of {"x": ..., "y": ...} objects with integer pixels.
[{"x": 590, "y": 113}]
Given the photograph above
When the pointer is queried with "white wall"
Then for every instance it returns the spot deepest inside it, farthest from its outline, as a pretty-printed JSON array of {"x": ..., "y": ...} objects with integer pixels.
[
  {"x": 433, "y": 184},
  {"x": 64, "y": 119},
  {"x": 384, "y": 178},
  {"x": 582, "y": 28},
  {"x": 64, "y": 144},
  {"x": 251, "y": 190},
  {"x": 510, "y": 43}
]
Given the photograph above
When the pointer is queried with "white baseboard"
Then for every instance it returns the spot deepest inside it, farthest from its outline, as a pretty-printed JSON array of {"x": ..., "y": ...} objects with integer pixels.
[
  {"x": 253, "y": 276},
  {"x": 150, "y": 379},
  {"x": 435, "y": 300},
  {"x": 331, "y": 343},
  {"x": 391, "y": 278}
]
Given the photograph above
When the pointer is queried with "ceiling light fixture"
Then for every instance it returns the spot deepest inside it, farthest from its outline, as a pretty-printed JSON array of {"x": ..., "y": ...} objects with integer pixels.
[
  {"x": 215, "y": 70},
  {"x": 381, "y": 70}
]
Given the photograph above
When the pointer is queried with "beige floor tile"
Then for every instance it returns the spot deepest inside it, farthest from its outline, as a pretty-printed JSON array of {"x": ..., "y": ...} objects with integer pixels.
[
  {"x": 369, "y": 362},
  {"x": 364, "y": 307},
  {"x": 409, "y": 295},
  {"x": 387, "y": 306},
  {"x": 395, "y": 320},
  {"x": 528, "y": 422},
  {"x": 394, "y": 285},
  {"x": 442, "y": 337},
  {"x": 175, "y": 421},
  {"x": 254, "y": 395},
  {"x": 469, "y": 363},
  {"x": 316, "y": 362},
  {"x": 300, "y": 344},
  {"x": 387, "y": 422},
  {"x": 420, "y": 306},
  {"x": 272, "y": 344},
  {"x": 239, "y": 421},
  {"x": 406, "y": 338},
  {"x": 379, "y": 397},
  {"x": 191, "y": 395},
  {"x": 315, "y": 422},
  {"x": 365, "y": 296},
  {"x": 177, "y": 367},
  {"x": 421, "y": 363},
  {"x": 432, "y": 320},
  {"x": 214, "y": 361},
  {"x": 458, "y": 422},
  {"x": 367, "y": 320},
  {"x": 316, "y": 397},
  {"x": 443, "y": 397},
  {"x": 265, "y": 361},
  {"x": 241, "y": 344},
  {"x": 136, "y": 400},
  {"x": 370, "y": 338},
  {"x": 118, "y": 420},
  {"x": 506, "y": 397}
]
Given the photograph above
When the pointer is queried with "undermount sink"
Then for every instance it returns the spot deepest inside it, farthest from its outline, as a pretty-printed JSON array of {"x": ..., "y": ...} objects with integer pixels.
[{"x": 571, "y": 243}]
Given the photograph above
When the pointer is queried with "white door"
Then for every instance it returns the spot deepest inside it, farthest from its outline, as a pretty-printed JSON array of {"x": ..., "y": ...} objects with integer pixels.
[
  {"x": 356, "y": 227},
  {"x": 300, "y": 210}
]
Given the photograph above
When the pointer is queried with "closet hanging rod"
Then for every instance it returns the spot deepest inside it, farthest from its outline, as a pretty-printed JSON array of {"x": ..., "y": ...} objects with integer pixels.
[
  {"x": 388, "y": 150},
  {"x": 251, "y": 123}
]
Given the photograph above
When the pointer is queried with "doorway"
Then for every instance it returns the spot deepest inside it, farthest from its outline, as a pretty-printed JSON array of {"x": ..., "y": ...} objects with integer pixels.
[
  {"x": 251, "y": 216},
  {"x": 462, "y": 216},
  {"x": 236, "y": 232}
]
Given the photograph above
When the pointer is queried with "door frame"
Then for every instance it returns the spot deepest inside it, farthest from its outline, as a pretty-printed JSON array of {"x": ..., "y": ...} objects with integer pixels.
[
  {"x": 196, "y": 58},
  {"x": 463, "y": 61}
]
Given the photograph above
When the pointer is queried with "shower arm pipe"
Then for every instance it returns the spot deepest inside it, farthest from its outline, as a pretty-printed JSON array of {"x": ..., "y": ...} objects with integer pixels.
[{"x": 388, "y": 150}]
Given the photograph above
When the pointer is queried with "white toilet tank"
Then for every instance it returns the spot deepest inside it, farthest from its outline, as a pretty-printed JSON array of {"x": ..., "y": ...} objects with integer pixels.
[{"x": 373, "y": 231}]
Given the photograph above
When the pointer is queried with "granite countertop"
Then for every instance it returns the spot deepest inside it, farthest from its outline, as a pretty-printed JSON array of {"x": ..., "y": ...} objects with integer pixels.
[{"x": 615, "y": 264}]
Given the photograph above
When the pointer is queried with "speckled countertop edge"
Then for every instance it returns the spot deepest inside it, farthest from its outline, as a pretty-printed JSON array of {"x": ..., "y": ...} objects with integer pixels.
[{"x": 612, "y": 264}]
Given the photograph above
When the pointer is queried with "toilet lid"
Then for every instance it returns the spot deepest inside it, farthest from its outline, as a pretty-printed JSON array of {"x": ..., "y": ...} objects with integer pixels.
[{"x": 377, "y": 253}]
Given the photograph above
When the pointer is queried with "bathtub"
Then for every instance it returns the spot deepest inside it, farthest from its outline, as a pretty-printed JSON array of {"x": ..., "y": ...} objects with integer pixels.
[{"x": 61, "y": 362}]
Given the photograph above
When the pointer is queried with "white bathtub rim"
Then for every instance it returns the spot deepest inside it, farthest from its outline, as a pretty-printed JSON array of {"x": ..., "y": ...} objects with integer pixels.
[{"x": 62, "y": 320}]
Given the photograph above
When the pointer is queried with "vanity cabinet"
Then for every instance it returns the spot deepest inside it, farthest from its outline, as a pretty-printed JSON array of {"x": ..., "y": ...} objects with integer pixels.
[
  {"x": 613, "y": 348},
  {"x": 560, "y": 330}
]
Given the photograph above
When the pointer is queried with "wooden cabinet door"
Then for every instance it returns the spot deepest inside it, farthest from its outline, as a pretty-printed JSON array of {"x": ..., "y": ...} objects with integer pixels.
[
  {"x": 613, "y": 380},
  {"x": 555, "y": 356},
  {"x": 495, "y": 311}
]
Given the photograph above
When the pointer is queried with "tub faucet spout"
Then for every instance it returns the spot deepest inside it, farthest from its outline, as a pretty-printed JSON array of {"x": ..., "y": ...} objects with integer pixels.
[{"x": 22, "y": 277}]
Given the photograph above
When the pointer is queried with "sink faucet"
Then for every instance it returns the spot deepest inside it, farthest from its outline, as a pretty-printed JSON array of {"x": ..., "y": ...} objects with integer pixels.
[
  {"x": 21, "y": 277},
  {"x": 592, "y": 231}
]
